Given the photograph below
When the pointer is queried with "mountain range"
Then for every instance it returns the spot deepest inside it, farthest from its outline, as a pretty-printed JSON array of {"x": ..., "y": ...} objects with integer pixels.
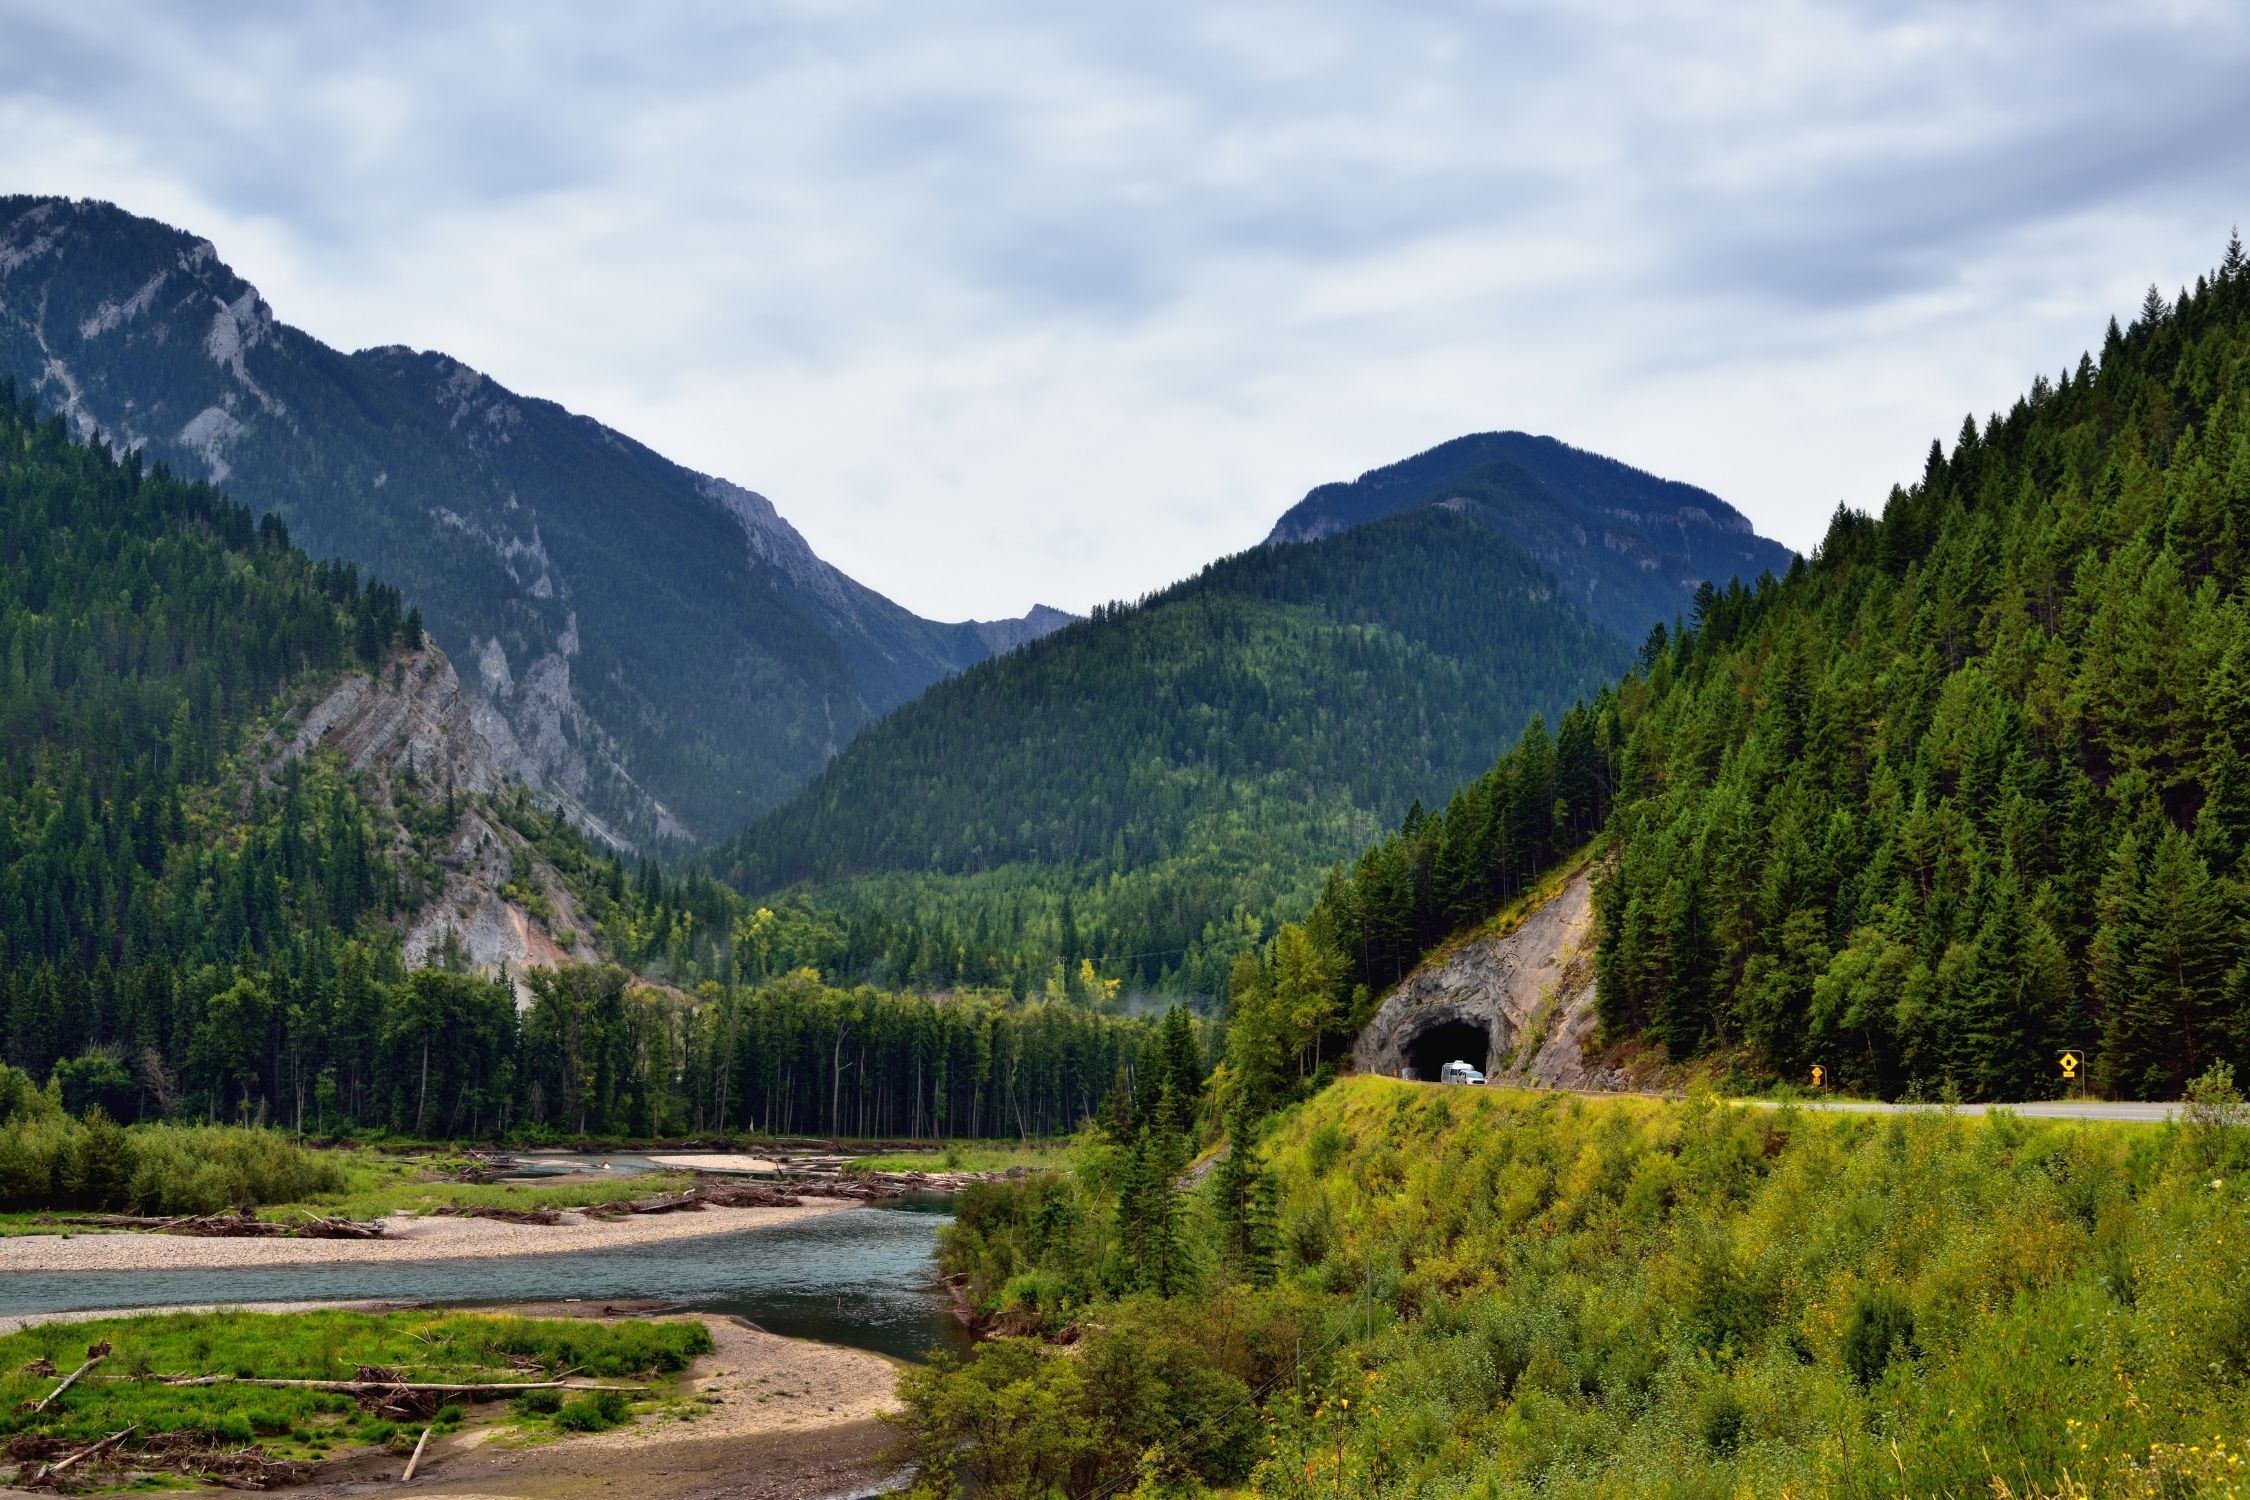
[
  {"x": 1187, "y": 766},
  {"x": 662, "y": 654},
  {"x": 657, "y": 648}
]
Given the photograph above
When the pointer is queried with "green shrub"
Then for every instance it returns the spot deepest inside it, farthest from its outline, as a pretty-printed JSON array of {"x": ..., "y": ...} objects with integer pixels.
[
  {"x": 49, "y": 1160},
  {"x": 537, "y": 1404},
  {"x": 592, "y": 1412},
  {"x": 1880, "y": 1329},
  {"x": 231, "y": 1427}
]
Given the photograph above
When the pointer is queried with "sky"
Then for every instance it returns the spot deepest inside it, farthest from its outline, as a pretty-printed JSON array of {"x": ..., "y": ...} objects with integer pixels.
[{"x": 1032, "y": 302}]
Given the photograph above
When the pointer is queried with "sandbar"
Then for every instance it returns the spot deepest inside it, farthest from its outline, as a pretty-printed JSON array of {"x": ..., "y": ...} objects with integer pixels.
[{"x": 406, "y": 1237}]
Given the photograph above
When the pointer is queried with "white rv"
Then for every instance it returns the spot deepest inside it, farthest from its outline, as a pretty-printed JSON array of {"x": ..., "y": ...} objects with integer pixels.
[{"x": 1459, "y": 1072}]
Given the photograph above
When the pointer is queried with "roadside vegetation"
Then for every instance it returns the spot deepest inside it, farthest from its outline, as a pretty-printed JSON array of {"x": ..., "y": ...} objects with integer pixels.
[
  {"x": 1426, "y": 1292},
  {"x": 196, "y": 1430}
]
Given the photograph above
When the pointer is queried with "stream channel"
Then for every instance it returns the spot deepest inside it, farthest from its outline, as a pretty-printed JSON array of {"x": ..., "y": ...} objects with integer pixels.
[{"x": 864, "y": 1277}]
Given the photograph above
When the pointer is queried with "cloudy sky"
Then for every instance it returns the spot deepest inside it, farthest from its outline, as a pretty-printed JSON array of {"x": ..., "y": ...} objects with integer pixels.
[{"x": 1003, "y": 303}]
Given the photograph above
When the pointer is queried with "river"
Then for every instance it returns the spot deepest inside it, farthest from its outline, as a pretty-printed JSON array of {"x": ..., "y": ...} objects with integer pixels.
[{"x": 863, "y": 1277}]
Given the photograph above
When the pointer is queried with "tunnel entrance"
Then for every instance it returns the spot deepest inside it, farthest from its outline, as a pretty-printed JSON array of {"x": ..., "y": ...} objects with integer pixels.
[{"x": 1448, "y": 1041}]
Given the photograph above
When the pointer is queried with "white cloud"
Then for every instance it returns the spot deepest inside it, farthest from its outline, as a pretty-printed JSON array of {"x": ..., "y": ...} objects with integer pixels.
[{"x": 1002, "y": 303}]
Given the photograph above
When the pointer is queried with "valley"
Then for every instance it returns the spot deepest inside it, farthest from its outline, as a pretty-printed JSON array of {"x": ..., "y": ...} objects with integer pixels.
[{"x": 486, "y": 911}]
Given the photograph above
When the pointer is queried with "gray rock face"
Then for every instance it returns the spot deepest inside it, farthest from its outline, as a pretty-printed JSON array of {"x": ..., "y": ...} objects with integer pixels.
[
  {"x": 1526, "y": 995},
  {"x": 414, "y": 722},
  {"x": 1007, "y": 635},
  {"x": 382, "y": 725}
]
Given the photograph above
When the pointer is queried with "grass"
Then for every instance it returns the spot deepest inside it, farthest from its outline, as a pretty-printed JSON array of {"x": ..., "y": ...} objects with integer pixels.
[
  {"x": 1638, "y": 1297},
  {"x": 974, "y": 1156},
  {"x": 376, "y": 1185},
  {"x": 470, "y": 1348},
  {"x": 370, "y": 1184}
]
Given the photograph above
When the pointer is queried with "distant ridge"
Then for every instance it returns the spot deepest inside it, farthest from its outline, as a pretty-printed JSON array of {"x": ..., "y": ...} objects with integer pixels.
[
  {"x": 657, "y": 646},
  {"x": 1626, "y": 546}
]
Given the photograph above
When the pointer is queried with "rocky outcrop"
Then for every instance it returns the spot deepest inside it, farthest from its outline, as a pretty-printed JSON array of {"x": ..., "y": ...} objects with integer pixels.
[
  {"x": 1528, "y": 991},
  {"x": 473, "y": 919},
  {"x": 413, "y": 718},
  {"x": 1006, "y": 635},
  {"x": 409, "y": 730}
]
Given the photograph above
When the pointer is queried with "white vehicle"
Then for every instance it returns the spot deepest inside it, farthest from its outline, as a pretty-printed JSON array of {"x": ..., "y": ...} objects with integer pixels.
[{"x": 1459, "y": 1072}]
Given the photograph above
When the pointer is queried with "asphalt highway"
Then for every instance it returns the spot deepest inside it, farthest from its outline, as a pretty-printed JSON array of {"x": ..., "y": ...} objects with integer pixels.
[{"x": 2044, "y": 1109}]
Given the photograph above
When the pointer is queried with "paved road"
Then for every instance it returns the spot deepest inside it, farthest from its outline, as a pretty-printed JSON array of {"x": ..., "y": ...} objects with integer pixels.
[
  {"x": 2044, "y": 1109},
  {"x": 2040, "y": 1109}
]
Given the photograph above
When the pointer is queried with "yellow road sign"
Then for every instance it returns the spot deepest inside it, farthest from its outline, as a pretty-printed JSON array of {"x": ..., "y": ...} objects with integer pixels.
[
  {"x": 2069, "y": 1065},
  {"x": 1819, "y": 1075}
]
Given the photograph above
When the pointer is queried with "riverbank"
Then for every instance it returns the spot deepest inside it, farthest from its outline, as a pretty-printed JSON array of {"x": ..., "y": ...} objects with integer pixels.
[
  {"x": 406, "y": 1237},
  {"x": 757, "y": 1417},
  {"x": 764, "y": 1418}
]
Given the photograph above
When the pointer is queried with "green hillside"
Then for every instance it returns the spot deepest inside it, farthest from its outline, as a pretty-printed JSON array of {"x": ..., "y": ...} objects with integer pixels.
[
  {"x": 1185, "y": 768},
  {"x": 1964, "y": 791},
  {"x": 1462, "y": 1292},
  {"x": 145, "y": 624}
]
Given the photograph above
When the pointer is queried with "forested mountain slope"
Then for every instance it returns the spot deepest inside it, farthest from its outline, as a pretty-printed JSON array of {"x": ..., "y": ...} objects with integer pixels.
[
  {"x": 1626, "y": 547},
  {"x": 172, "y": 864},
  {"x": 1966, "y": 790},
  {"x": 1972, "y": 788},
  {"x": 1186, "y": 767},
  {"x": 657, "y": 646},
  {"x": 256, "y": 862}
]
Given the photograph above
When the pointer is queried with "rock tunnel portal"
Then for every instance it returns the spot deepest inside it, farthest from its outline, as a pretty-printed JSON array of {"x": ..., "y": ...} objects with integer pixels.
[{"x": 1431, "y": 1047}]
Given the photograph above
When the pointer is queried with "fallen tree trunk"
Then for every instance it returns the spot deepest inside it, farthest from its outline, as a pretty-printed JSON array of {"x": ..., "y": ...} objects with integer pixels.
[
  {"x": 49, "y": 1471},
  {"x": 377, "y": 1387},
  {"x": 325, "y": 1227},
  {"x": 415, "y": 1462},
  {"x": 228, "y": 1226},
  {"x": 546, "y": 1216},
  {"x": 33, "y": 1409}
]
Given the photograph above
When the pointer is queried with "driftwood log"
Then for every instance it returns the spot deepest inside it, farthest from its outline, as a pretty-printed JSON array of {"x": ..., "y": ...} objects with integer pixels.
[
  {"x": 548, "y": 1216},
  {"x": 34, "y": 1408},
  {"x": 239, "y": 1225},
  {"x": 416, "y": 1461},
  {"x": 47, "y": 1472},
  {"x": 423, "y": 1387}
]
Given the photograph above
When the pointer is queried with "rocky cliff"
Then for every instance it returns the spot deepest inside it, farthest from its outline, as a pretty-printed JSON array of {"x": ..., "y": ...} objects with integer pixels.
[
  {"x": 1516, "y": 1001},
  {"x": 412, "y": 738}
]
